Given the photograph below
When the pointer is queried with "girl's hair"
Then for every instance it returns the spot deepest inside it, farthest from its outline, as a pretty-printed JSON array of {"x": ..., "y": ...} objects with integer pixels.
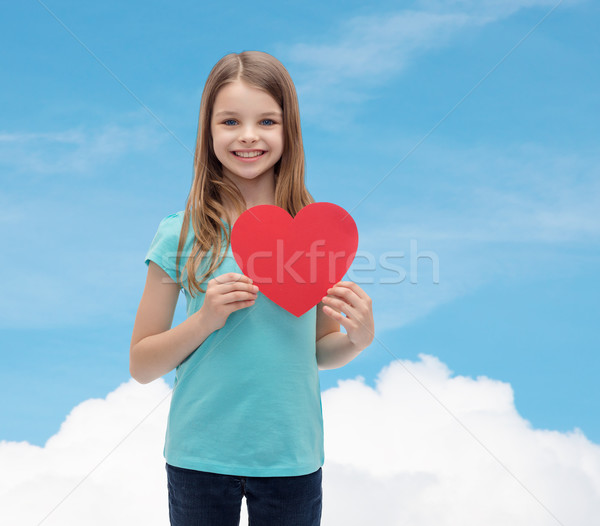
[{"x": 204, "y": 206}]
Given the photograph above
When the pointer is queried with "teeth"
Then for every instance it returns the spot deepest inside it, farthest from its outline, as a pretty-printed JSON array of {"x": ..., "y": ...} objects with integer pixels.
[{"x": 248, "y": 154}]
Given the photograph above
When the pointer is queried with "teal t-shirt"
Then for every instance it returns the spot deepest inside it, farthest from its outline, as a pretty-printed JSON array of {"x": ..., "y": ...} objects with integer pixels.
[{"x": 247, "y": 401}]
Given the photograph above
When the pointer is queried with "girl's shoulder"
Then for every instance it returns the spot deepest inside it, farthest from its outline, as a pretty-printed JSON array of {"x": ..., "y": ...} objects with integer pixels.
[
  {"x": 176, "y": 215},
  {"x": 172, "y": 222},
  {"x": 170, "y": 226}
]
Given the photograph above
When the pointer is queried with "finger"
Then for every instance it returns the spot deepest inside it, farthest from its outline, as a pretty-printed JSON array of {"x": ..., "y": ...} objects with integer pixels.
[
  {"x": 226, "y": 288},
  {"x": 336, "y": 315},
  {"x": 341, "y": 306},
  {"x": 238, "y": 296},
  {"x": 350, "y": 285},
  {"x": 341, "y": 291},
  {"x": 230, "y": 277}
]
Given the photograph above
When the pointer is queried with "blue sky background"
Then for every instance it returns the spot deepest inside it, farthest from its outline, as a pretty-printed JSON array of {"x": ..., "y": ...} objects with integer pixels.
[{"x": 433, "y": 123}]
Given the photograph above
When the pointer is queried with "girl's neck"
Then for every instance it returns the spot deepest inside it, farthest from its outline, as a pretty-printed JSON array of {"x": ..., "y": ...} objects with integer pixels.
[
  {"x": 254, "y": 195},
  {"x": 231, "y": 215}
]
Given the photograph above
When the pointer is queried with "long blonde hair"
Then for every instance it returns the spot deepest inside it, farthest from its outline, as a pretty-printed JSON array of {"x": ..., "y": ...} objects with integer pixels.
[{"x": 204, "y": 205}]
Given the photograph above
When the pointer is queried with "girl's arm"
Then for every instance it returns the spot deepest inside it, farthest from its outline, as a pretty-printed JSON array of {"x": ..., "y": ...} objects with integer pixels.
[
  {"x": 325, "y": 326},
  {"x": 347, "y": 304},
  {"x": 155, "y": 348}
]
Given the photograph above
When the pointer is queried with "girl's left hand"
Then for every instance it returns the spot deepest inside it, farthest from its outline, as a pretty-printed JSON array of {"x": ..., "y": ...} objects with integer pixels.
[{"x": 346, "y": 297}]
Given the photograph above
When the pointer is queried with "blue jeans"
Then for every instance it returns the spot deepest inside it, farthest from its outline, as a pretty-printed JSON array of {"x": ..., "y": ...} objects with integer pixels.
[{"x": 201, "y": 498}]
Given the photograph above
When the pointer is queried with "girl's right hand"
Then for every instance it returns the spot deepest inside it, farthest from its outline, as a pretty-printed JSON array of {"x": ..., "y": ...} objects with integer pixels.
[{"x": 224, "y": 294}]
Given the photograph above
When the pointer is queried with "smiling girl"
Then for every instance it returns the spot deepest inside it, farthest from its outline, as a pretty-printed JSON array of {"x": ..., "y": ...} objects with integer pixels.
[{"x": 245, "y": 418}]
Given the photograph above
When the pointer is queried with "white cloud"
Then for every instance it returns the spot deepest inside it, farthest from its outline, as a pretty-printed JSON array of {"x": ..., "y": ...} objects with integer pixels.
[
  {"x": 367, "y": 50},
  {"x": 375, "y": 44},
  {"x": 129, "y": 487},
  {"x": 334, "y": 76},
  {"x": 74, "y": 151},
  {"x": 394, "y": 455},
  {"x": 399, "y": 440}
]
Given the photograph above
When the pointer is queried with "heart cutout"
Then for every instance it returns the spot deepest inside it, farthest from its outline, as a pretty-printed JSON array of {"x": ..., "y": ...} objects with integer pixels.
[{"x": 294, "y": 260}]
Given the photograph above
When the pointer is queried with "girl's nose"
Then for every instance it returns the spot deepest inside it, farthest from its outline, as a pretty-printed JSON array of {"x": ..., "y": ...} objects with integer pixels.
[{"x": 249, "y": 134}]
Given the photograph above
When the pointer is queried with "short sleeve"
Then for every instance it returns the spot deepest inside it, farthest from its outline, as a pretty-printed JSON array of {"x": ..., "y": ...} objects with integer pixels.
[{"x": 163, "y": 249}]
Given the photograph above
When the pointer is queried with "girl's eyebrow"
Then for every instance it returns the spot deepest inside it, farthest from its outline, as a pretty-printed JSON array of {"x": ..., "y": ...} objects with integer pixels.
[{"x": 228, "y": 112}]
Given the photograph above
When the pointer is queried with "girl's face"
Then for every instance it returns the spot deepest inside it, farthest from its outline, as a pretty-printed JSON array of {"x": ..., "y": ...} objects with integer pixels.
[{"x": 246, "y": 119}]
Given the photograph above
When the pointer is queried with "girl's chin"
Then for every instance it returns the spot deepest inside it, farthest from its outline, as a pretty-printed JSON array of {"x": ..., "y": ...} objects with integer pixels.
[
  {"x": 246, "y": 177},
  {"x": 249, "y": 174}
]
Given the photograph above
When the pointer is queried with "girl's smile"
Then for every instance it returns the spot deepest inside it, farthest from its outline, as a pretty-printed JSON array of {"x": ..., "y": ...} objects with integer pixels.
[{"x": 248, "y": 156}]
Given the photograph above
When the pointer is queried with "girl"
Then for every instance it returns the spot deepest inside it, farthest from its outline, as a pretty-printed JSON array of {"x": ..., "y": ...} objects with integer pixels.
[{"x": 245, "y": 416}]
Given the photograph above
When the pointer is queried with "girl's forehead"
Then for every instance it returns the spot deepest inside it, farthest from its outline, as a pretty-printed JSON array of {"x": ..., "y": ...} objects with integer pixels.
[{"x": 242, "y": 98}]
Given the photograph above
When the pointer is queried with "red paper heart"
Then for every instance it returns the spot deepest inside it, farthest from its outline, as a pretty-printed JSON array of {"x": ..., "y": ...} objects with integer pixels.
[{"x": 294, "y": 260}]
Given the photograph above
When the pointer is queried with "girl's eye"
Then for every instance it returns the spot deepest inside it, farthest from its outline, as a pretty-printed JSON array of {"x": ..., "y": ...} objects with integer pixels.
[{"x": 233, "y": 120}]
